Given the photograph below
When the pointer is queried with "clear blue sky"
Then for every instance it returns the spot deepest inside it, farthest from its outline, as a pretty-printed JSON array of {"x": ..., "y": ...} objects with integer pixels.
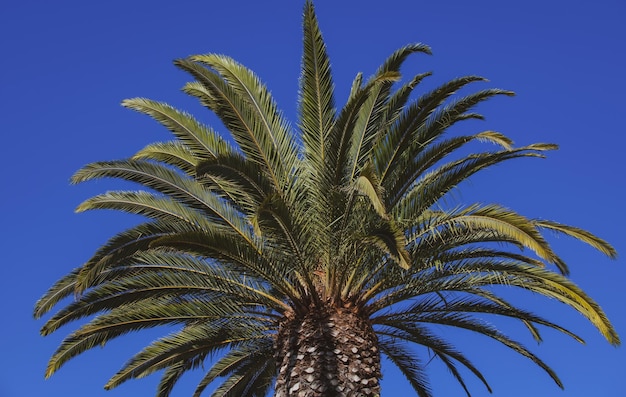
[{"x": 66, "y": 65}]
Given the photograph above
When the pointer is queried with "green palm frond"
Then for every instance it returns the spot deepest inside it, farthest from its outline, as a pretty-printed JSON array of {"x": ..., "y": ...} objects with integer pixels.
[
  {"x": 316, "y": 104},
  {"x": 136, "y": 281},
  {"x": 271, "y": 133},
  {"x": 414, "y": 198},
  {"x": 241, "y": 182},
  {"x": 238, "y": 256},
  {"x": 356, "y": 85},
  {"x": 402, "y": 133},
  {"x": 368, "y": 185},
  {"x": 435, "y": 152},
  {"x": 245, "y": 382},
  {"x": 426, "y": 310},
  {"x": 579, "y": 234},
  {"x": 483, "y": 329},
  {"x": 369, "y": 122},
  {"x": 63, "y": 288},
  {"x": 186, "y": 200},
  {"x": 246, "y": 175},
  {"x": 395, "y": 60},
  {"x": 200, "y": 139},
  {"x": 242, "y": 119},
  {"x": 154, "y": 176},
  {"x": 398, "y": 100},
  {"x": 501, "y": 221},
  {"x": 149, "y": 205},
  {"x": 538, "y": 280},
  {"x": 121, "y": 247},
  {"x": 355, "y": 129},
  {"x": 173, "y": 153}
]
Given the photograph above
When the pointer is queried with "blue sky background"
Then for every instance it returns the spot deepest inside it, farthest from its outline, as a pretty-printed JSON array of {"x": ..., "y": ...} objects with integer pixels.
[{"x": 66, "y": 65}]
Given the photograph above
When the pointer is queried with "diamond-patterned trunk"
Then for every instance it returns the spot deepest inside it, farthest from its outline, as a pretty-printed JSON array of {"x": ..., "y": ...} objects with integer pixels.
[{"x": 331, "y": 351}]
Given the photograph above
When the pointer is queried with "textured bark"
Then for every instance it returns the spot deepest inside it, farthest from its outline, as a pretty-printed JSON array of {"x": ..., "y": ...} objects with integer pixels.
[{"x": 330, "y": 351}]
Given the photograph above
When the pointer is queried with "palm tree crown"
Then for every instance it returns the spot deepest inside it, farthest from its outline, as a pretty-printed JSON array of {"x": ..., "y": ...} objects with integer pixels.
[{"x": 301, "y": 255}]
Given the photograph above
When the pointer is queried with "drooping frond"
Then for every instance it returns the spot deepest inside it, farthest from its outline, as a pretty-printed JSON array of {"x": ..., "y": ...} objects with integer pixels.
[
  {"x": 171, "y": 375},
  {"x": 368, "y": 185},
  {"x": 122, "y": 247},
  {"x": 192, "y": 341},
  {"x": 408, "y": 364},
  {"x": 390, "y": 239},
  {"x": 255, "y": 355},
  {"x": 395, "y": 60},
  {"x": 440, "y": 348},
  {"x": 579, "y": 234},
  {"x": 502, "y": 222},
  {"x": 61, "y": 289}
]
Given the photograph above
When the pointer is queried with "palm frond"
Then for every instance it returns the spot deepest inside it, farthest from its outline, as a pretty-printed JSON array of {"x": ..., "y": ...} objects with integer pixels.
[
  {"x": 503, "y": 222},
  {"x": 242, "y": 120},
  {"x": 271, "y": 130},
  {"x": 354, "y": 129},
  {"x": 171, "y": 375},
  {"x": 202, "y": 140},
  {"x": 579, "y": 234},
  {"x": 370, "y": 121},
  {"x": 197, "y": 340},
  {"x": 122, "y": 247},
  {"x": 401, "y": 135},
  {"x": 256, "y": 353},
  {"x": 395, "y": 60},
  {"x": 414, "y": 198},
  {"x": 408, "y": 364},
  {"x": 368, "y": 185},
  {"x": 413, "y": 333},
  {"x": 173, "y": 153},
  {"x": 390, "y": 239},
  {"x": 316, "y": 102}
]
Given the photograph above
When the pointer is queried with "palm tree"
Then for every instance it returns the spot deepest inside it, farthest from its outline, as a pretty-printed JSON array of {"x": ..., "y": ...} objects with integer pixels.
[{"x": 293, "y": 258}]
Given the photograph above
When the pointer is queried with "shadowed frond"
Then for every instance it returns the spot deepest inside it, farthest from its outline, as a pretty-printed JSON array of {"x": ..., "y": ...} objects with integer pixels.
[
  {"x": 192, "y": 341},
  {"x": 408, "y": 363},
  {"x": 437, "y": 346},
  {"x": 257, "y": 355}
]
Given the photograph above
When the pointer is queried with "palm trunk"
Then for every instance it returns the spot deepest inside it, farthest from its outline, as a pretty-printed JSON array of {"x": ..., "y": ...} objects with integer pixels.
[{"x": 330, "y": 351}]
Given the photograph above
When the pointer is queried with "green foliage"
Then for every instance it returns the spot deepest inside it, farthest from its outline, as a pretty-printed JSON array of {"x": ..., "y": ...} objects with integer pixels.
[{"x": 242, "y": 235}]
